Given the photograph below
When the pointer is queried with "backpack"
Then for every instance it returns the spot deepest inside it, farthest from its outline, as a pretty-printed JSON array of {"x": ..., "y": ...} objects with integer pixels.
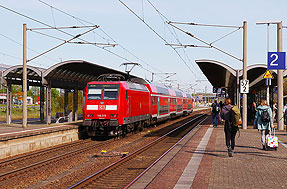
[
  {"x": 265, "y": 116},
  {"x": 225, "y": 113},
  {"x": 235, "y": 116},
  {"x": 215, "y": 107}
]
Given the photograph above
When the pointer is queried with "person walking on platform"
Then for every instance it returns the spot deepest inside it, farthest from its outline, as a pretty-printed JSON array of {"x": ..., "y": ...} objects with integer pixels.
[
  {"x": 215, "y": 112},
  {"x": 229, "y": 129},
  {"x": 253, "y": 113},
  {"x": 274, "y": 112},
  {"x": 285, "y": 114},
  {"x": 264, "y": 121}
]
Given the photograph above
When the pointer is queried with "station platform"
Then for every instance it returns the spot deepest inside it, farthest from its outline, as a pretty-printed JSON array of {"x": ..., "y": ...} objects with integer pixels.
[
  {"x": 15, "y": 140},
  {"x": 13, "y": 131},
  {"x": 201, "y": 161}
]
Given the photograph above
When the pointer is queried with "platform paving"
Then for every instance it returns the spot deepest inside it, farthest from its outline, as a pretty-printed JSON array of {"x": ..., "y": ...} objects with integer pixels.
[
  {"x": 13, "y": 131},
  {"x": 250, "y": 167}
]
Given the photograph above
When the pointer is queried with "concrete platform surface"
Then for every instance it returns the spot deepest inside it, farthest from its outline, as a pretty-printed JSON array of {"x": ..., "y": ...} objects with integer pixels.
[
  {"x": 203, "y": 162},
  {"x": 13, "y": 131}
]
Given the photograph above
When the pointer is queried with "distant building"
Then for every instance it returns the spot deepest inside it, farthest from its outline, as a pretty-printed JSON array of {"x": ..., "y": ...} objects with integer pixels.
[{"x": 3, "y": 99}]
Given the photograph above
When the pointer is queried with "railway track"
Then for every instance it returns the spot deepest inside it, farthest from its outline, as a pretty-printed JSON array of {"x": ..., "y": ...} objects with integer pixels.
[
  {"x": 42, "y": 152},
  {"x": 26, "y": 169},
  {"x": 125, "y": 171},
  {"x": 45, "y": 160}
]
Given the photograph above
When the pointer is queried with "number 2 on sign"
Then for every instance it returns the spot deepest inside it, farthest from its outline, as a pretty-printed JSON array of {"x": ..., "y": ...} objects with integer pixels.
[
  {"x": 273, "y": 62},
  {"x": 244, "y": 86}
]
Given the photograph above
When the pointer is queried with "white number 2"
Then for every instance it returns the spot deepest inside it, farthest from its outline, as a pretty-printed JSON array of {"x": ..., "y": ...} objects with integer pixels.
[{"x": 273, "y": 62}]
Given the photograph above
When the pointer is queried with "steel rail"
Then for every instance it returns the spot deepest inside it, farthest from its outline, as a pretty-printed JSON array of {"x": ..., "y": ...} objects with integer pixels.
[
  {"x": 130, "y": 156},
  {"x": 44, "y": 151},
  {"x": 142, "y": 173},
  {"x": 57, "y": 158}
]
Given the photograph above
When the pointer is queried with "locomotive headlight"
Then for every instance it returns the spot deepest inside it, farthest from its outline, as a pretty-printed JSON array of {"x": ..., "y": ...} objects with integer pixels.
[
  {"x": 90, "y": 115},
  {"x": 114, "y": 115}
]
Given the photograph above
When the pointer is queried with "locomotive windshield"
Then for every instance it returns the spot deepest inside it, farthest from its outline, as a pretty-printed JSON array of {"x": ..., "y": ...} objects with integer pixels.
[{"x": 103, "y": 92}]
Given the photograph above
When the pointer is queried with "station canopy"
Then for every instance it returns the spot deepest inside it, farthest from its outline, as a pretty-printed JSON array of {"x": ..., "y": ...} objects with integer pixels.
[
  {"x": 223, "y": 76},
  {"x": 66, "y": 75}
]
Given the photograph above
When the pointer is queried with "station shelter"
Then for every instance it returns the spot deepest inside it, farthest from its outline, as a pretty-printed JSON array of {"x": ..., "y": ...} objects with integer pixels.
[
  {"x": 221, "y": 75},
  {"x": 72, "y": 75}
]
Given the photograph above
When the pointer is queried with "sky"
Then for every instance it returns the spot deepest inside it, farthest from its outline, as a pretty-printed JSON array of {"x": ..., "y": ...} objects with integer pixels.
[{"x": 138, "y": 41}]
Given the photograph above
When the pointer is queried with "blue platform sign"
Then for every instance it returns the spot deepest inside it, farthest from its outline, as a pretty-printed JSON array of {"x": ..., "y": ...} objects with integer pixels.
[{"x": 276, "y": 61}]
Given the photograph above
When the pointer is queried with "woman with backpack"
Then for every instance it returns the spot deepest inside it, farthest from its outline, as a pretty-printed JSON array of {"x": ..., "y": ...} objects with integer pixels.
[
  {"x": 263, "y": 121},
  {"x": 229, "y": 128}
]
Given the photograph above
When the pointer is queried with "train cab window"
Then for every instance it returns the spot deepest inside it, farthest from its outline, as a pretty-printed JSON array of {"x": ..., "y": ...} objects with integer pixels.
[
  {"x": 154, "y": 100},
  {"x": 103, "y": 92},
  {"x": 94, "y": 92},
  {"x": 111, "y": 92}
]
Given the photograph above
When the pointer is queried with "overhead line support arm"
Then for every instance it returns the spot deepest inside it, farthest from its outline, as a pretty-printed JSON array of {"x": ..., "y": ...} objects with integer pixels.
[{"x": 212, "y": 46}]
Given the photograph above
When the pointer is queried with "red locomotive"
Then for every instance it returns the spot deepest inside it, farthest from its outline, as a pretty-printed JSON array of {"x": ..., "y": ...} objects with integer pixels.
[{"x": 115, "y": 108}]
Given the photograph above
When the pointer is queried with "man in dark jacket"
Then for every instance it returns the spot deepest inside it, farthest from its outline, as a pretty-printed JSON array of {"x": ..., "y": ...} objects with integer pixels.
[
  {"x": 229, "y": 129},
  {"x": 215, "y": 109}
]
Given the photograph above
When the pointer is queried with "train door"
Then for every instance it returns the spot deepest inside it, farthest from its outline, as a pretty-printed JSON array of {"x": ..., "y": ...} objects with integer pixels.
[
  {"x": 129, "y": 103},
  {"x": 155, "y": 106},
  {"x": 158, "y": 105}
]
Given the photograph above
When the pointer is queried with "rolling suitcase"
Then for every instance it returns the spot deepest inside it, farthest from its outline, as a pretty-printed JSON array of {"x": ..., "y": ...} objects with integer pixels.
[{"x": 272, "y": 141}]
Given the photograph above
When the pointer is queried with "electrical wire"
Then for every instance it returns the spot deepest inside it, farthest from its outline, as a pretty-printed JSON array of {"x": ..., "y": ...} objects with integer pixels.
[
  {"x": 40, "y": 22},
  {"x": 11, "y": 56},
  {"x": 27, "y": 47},
  {"x": 53, "y": 17},
  {"x": 157, "y": 35},
  {"x": 4, "y": 54},
  {"x": 172, "y": 33},
  {"x": 82, "y": 21},
  {"x": 48, "y": 35}
]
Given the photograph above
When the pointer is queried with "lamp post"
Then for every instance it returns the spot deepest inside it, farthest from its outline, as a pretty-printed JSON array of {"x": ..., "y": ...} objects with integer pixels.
[
  {"x": 211, "y": 45},
  {"x": 244, "y": 103},
  {"x": 24, "y": 97},
  {"x": 279, "y": 73}
]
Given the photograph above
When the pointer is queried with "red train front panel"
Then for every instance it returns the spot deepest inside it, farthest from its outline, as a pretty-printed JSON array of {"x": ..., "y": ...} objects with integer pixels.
[{"x": 110, "y": 105}]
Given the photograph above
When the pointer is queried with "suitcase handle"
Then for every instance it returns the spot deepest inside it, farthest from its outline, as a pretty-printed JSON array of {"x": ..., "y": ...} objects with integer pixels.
[{"x": 273, "y": 130}]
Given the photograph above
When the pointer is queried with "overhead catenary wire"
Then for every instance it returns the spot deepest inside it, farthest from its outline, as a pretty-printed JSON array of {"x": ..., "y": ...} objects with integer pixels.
[
  {"x": 4, "y": 54},
  {"x": 18, "y": 58},
  {"x": 225, "y": 35},
  {"x": 206, "y": 42},
  {"x": 75, "y": 37},
  {"x": 27, "y": 47},
  {"x": 172, "y": 33},
  {"x": 40, "y": 22},
  {"x": 53, "y": 17},
  {"x": 82, "y": 21},
  {"x": 157, "y": 35},
  {"x": 47, "y": 35},
  {"x": 209, "y": 25}
]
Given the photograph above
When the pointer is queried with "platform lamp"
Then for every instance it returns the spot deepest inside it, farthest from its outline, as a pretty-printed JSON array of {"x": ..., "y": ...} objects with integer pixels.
[{"x": 279, "y": 72}]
